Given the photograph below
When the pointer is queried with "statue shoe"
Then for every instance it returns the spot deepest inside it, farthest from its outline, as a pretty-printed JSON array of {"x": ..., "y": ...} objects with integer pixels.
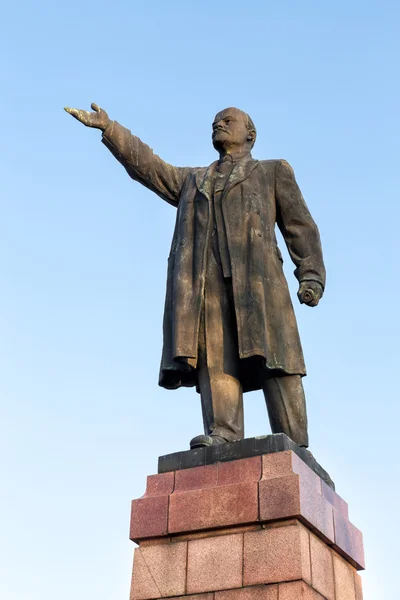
[{"x": 202, "y": 441}]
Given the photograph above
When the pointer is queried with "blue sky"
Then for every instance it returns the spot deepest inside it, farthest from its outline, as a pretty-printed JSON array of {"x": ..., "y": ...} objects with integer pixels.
[{"x": 83, "y": 252}]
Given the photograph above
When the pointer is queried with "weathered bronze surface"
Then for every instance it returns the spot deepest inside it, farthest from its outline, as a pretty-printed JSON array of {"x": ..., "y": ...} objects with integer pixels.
[{"x": 229, "y": 325}]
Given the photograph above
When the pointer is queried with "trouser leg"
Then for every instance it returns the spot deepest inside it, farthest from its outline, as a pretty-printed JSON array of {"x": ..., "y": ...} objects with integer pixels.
[
  {"x": 218, "y": 359},
  {"x": 222, "y": 404},
  {"x": 286, "y": 406}
]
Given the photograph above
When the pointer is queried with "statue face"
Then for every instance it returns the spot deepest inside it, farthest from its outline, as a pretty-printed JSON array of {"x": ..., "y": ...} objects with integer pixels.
[{"x": 230, "y": 130}]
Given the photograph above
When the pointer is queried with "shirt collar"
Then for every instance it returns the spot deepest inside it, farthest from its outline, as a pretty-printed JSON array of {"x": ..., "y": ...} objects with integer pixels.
[{"x": 234, "y": 157}]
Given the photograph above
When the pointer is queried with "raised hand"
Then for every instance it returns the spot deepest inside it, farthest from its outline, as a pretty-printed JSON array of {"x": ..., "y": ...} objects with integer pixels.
[
  {"x": 97, "y": 119},
  {"x": 310, "y": 293}
]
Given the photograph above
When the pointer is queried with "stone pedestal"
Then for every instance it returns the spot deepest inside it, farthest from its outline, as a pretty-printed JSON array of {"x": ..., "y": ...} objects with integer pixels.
[{"x": 260, "y": 528}]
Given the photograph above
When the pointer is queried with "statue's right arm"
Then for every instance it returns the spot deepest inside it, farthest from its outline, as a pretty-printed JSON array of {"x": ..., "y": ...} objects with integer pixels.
[{"x": 138, "y": 159}]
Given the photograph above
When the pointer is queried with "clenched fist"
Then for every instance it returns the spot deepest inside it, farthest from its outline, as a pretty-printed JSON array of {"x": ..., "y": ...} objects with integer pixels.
[
  {"x": 310, "y": 293},
  {"x": 97, "y": 119}
]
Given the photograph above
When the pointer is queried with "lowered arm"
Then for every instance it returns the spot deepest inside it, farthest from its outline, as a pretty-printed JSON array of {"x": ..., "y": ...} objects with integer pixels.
[{"x": 298, "y": 227}]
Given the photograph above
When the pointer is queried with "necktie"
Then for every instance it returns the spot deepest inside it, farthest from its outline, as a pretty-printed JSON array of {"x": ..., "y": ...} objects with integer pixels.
[
  {"x": 225, "y": 165},
  {"x": 222, "y": 172}
]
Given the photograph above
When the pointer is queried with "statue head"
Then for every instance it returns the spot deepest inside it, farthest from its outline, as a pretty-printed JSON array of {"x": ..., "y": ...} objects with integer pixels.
[{"x": 233, "y": 131}]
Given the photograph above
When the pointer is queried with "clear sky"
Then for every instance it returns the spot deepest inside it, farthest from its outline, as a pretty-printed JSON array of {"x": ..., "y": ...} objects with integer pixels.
[{"x": 83, "y": 254}]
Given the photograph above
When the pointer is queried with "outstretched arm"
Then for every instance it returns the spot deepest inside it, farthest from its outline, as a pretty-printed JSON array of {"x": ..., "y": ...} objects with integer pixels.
[
  {"x": 138, "y": 159},
  {"x": 300, "y": 234}
]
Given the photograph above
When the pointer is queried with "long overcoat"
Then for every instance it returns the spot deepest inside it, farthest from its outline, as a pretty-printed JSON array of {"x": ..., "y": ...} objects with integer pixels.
[{"x": 258, "y": 195}]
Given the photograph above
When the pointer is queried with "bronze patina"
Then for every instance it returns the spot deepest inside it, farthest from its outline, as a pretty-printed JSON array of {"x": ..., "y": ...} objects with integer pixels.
[{"x": 229, "y": 325}]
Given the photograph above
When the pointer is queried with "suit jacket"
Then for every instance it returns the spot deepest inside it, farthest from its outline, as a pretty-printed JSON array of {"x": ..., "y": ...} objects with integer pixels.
[{"x": 258, "y": 195}]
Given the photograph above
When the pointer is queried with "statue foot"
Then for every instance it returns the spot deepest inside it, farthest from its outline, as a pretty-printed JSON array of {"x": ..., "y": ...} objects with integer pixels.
[{"x": 202, "y": 441}]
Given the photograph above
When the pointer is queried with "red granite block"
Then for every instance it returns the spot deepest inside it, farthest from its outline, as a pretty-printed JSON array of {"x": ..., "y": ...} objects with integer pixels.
[
  {"x": 160, "y": 485},
  {"x": 322, "y": 568},
  {"x": 258, "y": 592},
  {"x": 159, "y": 571},
  {"x": 277, "y": 464},
  {"x": 358, "y": 586},
  {"x": 317, "y": 511},
  {"x": 154, "y": 541},
  {"x": 296, "y": 496},
  {"x": 298, "y": 590},
  {"x": 149, "y": 517},
  {"x": 276, "y": 554},
  {"x": 196, "y": 478},
  {"x": 348, "y": 540},
  {"x": 286, "y": 463},
  {"x": 307, "y": 474},
  {"x": 334, "y": 499},
  {"x": 215, "y": 563},
  {"x": 239, "y": 471},
  {"x": 344, "y": 579},
  {"x": 221, "y": 506},
  {"x": 280, "y": 497},
  {"x": 208, "y": 596},
  {"x": 199, "y": 535},
  {"x": 289, "y": 488}
]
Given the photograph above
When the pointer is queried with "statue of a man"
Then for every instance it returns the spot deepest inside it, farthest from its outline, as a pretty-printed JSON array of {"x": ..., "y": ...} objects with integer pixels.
[{"x": 229, "y": 325}]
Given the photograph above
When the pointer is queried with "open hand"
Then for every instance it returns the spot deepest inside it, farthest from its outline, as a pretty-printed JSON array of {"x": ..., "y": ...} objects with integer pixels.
[
  {"x": 97, "y": 119},
  {"x": 310, "y": 293}
]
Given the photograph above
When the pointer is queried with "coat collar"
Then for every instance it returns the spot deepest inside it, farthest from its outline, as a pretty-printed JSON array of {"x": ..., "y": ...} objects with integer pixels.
[{"x": 241, "y": 170}]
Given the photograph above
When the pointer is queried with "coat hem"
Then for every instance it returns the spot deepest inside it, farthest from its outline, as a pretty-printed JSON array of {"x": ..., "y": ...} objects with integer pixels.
[{"x": 254, "y": 368}]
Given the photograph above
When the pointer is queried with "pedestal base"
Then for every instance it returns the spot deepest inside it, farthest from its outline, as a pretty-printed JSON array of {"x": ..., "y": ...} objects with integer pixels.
[
  {"x": 260, "y": 528},
  {"x": 256, "y": 446}
]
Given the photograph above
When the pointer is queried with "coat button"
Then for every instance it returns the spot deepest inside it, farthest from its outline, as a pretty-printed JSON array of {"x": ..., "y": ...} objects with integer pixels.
[
  {"x": 182, "y": 242},
  {"x": 185, "y": 218}
]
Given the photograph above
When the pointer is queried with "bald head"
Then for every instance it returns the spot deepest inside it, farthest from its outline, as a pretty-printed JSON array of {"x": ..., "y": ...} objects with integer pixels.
[{"x": 233, "y": 131}]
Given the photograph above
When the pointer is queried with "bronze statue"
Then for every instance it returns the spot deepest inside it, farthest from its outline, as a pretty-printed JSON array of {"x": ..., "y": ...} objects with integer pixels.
[{"x": 229, "y": 325}]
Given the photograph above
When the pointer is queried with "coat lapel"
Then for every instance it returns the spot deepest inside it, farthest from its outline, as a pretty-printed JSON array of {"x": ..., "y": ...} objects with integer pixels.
[
  {"x": 240, "y": 172},
  {"x": 205, "y": 180}
]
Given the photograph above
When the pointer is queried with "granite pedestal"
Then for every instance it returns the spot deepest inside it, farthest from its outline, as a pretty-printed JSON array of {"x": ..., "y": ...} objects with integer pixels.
[{"x": 266, "y": 527}]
